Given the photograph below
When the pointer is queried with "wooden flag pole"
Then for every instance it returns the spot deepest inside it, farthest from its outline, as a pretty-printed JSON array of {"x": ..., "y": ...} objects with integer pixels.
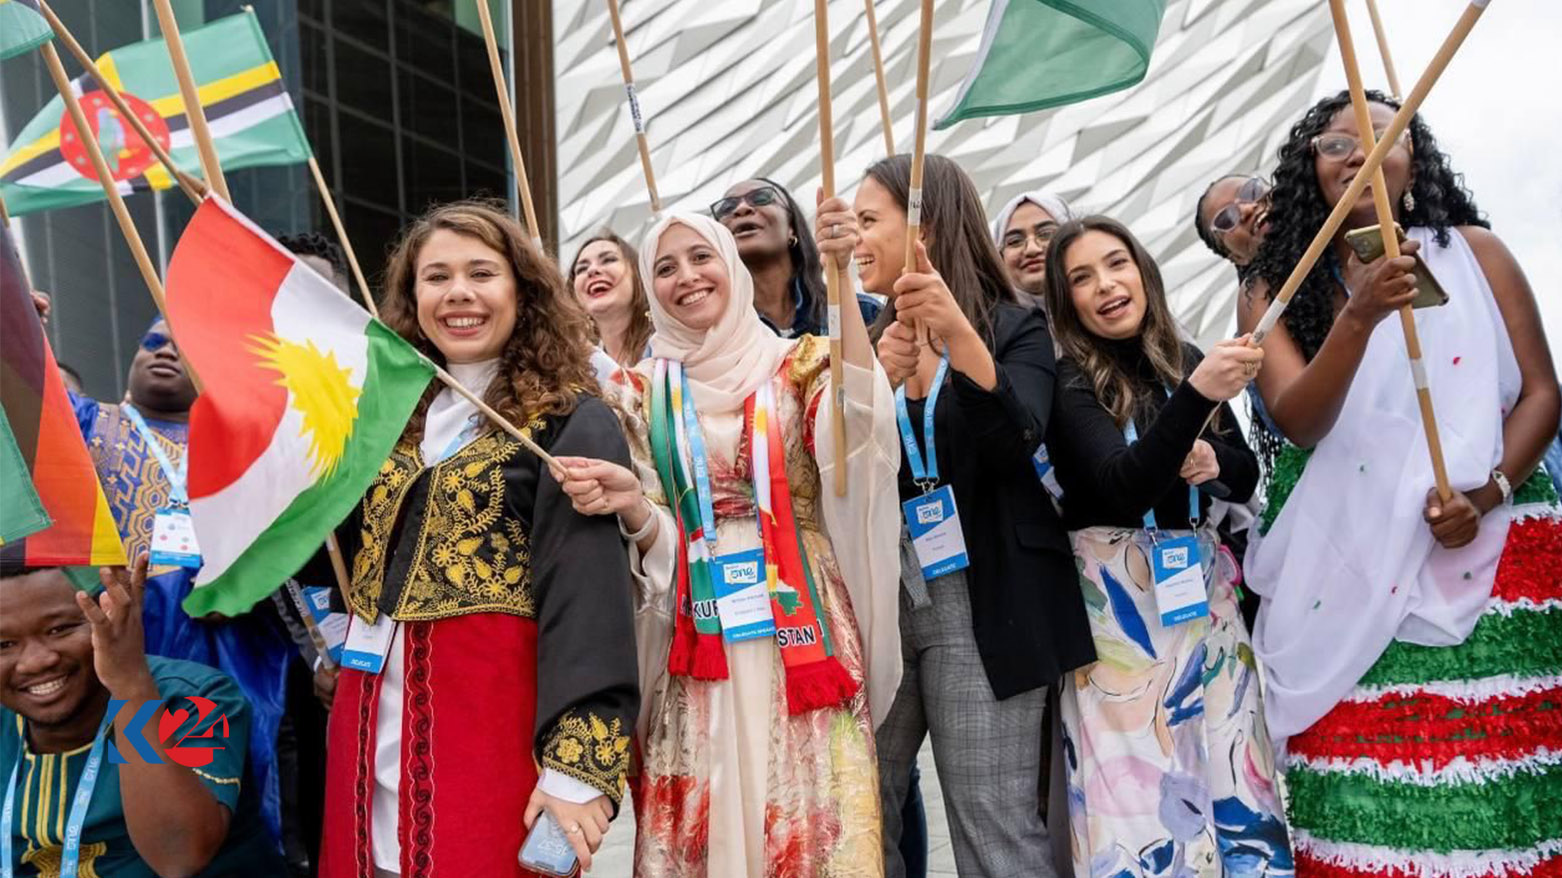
[
  {"x": 1413, "y": 101},
  {"x": 195, "y": 189},
  {"x": 832, "y": 271},
  {"x": 341, "y": 235},
  {"x": 193, "y": 111},
  {"x": 508, "y": 113},
  {"x": 919, "y": 152},
  {"x": 5, "y": 218},
  {"x": 1385, "y": 212},
  {"x": 1388, "y": 60},
  {"x": 634, "y": 107},
  {"x": 878, "y": 73}
]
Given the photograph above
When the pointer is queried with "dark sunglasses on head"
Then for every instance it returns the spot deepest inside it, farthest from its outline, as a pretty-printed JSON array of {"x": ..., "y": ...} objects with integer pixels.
[
  {"x": 155, "y": 341},
  {"x": 755, "y": 198},
  {"x": 1230, "y": 216}
]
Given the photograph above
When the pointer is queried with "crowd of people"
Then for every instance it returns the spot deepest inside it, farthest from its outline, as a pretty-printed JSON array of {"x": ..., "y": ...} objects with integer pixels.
[{"x": 1142, "y": 638}]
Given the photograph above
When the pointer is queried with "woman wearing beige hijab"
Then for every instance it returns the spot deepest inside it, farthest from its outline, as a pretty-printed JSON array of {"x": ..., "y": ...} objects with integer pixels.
[{"x": 769, "y": 652}]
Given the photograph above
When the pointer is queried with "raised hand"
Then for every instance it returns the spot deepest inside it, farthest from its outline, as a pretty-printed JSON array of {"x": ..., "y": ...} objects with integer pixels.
[{"x": 118, "y": 640}]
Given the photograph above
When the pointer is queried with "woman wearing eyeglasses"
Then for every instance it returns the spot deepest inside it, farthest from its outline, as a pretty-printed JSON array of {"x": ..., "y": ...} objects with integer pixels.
[
  {"x": 1022, "y": 231},
  {"x": 1413, "y": 643},
  {"x": 777, "y": 247}
]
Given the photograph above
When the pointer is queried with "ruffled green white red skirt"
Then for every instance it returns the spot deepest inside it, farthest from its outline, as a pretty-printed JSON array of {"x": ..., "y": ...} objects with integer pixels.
[{"x": 1447, "y": 761}]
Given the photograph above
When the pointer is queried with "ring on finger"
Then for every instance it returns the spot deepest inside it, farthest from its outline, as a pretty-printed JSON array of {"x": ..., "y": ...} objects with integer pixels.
[
  {"x": 574, "y": 829},
  {"x": 835, "y": 230}
]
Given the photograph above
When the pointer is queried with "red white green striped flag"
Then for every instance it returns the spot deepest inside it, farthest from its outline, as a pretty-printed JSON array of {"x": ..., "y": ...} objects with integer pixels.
[{"x": 304, "y": 397}]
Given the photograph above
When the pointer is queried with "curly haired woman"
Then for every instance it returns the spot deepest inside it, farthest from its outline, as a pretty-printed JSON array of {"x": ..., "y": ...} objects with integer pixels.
[
  {"x": 499, "y": 608},
  {"x": 1413, "y": 643}
]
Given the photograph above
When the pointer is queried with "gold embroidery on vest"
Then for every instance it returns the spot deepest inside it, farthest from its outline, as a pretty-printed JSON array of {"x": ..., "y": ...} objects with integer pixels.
[
  {"x": 381, "y": 505},
  {"x": 471, "y": 556}
]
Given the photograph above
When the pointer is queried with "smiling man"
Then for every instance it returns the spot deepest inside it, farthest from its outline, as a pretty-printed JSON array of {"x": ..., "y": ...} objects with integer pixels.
[
  {"x": 63, "y": 657},
  {"x": 138, "y": 448}
]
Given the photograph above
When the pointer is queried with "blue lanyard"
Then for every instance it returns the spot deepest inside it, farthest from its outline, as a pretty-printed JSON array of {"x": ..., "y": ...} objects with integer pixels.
[
  {"x": 467, "y": 434},
  {"x": 70, "y": 857},
  {"x": 698, "y": 463},
  {"x": 1132, "y": 435},
  {"x": 926, "y": 477},
  {"x": 177, "y": 495}
]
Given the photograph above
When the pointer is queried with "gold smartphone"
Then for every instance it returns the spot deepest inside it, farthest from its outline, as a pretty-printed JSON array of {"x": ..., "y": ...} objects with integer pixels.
[{"x": 1368, "y": 244}]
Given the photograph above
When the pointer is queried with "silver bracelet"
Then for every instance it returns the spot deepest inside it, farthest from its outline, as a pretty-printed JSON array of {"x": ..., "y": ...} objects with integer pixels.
[
  {"x": 1503, "y": 485},
  {"x": 645, "y": 529}
]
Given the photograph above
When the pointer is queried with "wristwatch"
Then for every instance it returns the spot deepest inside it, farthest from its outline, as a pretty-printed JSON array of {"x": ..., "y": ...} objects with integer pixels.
[{"x": 1503, "y": 485}]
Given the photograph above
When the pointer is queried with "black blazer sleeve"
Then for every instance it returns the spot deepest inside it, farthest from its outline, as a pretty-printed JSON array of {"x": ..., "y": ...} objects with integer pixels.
[
  {"x": 1007, "y": 422},
  {"x": 588, "y": 694}
]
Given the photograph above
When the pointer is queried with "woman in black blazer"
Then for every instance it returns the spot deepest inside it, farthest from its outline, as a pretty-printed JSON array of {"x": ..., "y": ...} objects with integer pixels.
[{"x": 986, "y": 625}]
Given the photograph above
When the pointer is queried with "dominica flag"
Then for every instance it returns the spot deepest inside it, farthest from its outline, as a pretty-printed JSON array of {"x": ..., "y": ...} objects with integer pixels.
[
  {"x": 55, "y": 513},
  {"x": 1036, "y": 54},
  {"x": 251, "y": 117},
  {"x": 304, "y": 397},
  {"x": 22, "y": 27}
]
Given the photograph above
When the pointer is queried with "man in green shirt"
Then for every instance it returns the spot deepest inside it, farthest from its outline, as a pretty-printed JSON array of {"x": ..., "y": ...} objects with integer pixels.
[{"x": 72, "y": 810}]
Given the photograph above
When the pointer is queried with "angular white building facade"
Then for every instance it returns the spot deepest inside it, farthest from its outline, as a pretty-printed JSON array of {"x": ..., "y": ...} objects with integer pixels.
[{"x": 727, "y": 88}]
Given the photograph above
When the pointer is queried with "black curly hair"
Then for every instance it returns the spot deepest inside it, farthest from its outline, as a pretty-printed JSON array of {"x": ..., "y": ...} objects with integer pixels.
[
  {"x": 1297, "y": 210},
  {"x": 316, "y": 244}
]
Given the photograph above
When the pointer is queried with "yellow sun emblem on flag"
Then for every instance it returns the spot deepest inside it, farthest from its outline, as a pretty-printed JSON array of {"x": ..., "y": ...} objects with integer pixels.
[{"x": 321, "y": 391}]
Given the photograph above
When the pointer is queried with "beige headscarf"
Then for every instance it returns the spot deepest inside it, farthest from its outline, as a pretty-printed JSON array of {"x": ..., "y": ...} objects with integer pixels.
[{"x": 726, "y": 362}]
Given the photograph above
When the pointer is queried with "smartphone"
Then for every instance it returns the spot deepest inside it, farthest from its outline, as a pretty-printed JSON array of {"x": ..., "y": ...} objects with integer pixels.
[
  {"x": 547, "y": 850},
  {"x": 1368, "y": 244}
]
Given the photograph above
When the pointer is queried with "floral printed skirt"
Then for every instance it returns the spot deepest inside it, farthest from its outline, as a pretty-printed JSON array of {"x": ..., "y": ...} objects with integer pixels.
[
  {"x": 1170, "y": 768},
  {"x": 1446, "y": 762}
]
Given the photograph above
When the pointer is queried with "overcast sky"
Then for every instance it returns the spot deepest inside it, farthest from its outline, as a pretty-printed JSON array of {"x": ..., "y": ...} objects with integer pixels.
[{"x": 1496, "y": 111}]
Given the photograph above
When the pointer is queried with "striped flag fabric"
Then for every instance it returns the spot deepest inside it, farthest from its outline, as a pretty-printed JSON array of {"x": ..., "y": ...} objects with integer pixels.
[
  {"x": 77, "y": 527},
  {"x": 251, "y": 116},
  {"x": 22, "y": 512},
  {"x": 1036, "y": 54},
  {"x": 22, "y": 27},
  {"x": 304, "y": 397}
]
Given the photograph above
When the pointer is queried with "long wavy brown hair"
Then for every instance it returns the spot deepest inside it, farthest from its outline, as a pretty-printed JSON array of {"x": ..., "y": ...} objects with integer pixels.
[
  {"x": 546, "y": 365},
  {"x": 640, "y": 328},
  {"x": 1114, "y": 387}
]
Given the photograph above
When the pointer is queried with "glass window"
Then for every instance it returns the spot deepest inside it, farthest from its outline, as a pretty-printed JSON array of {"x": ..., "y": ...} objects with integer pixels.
[
  {"x": 312, "y": 59},
  {"x": 369, "y": 161},
  {"x": 423, "y": 40},
  {"x": 363, "y": 81},
  {"x": 429, "y": 109},
  {"x": 367, "y": 21},
  {"x": 433, "y": 175}
]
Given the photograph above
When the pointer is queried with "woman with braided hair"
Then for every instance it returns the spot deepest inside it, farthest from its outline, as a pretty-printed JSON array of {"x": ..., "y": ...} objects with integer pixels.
[{"x": 1413, "y": 643}]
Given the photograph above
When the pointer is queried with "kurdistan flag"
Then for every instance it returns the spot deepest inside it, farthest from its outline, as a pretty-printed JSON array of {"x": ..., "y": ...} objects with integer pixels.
[
  {"x": 1036, "y": 54},
  {"x": 251, "y": 117},
  {"x": 304, "y": 397}
]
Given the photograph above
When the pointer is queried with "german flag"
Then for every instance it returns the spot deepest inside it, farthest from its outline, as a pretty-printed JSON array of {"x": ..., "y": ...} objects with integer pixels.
[
  {"x": 47, "y": 440},
  {"x": 251, "y": 116},
  {"x": 22, "y": 27}
]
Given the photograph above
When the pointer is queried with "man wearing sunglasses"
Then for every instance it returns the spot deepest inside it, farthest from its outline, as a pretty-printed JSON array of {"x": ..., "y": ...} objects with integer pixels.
[{"x": 139, "y": 449}]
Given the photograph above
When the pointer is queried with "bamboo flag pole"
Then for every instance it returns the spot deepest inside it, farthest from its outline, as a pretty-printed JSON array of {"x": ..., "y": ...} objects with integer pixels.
[
  {"x": 1385, "y": 212},
  {"x": 193, "y": 110},
  {"x": 1413, "y": 101},
  {"x": 192, "y": 187},
  {"x": 634, "y": 107},
  {"x": 341, "y": 235},
  {"x": 878, "y": 73},
  {"x": 919, "y": 151},
  {"x": 832, "y": 271},
  {"x": 1388, "y": 60},
  {"x": 508, "y": 113}
]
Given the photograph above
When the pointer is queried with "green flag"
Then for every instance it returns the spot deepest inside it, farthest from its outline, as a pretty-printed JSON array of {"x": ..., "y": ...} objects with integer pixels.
[
  {"x": 22, "y": 27},
  {"x": 251, "y": 117},
  {"x": 22, "y": 512},
  {"x": 1037, "y": 54}
]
